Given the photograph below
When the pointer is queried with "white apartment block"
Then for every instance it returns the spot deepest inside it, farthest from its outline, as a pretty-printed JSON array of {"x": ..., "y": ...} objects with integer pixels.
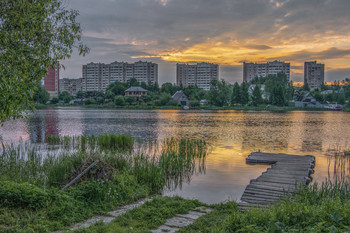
[
  {"x": 98, "y": 76},
  {"x": 314, "y": 74},
  {"x": 252, "y": 70},
  {"x": 199, "y": 75}
]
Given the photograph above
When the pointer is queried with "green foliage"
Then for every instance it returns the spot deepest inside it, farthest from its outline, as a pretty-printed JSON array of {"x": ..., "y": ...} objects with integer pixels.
[
  {"x": 164, "y": 98},
  {"x": 65, "y": 96},
  {"x": 119, "y": 101},
  {"x": 90, "y": 101},
  {"x": 115, "y": 89},
  {"x": 33, "y": 36},
  {"x": 52, "y": 139},
  {"x": 220, "y": 93},
  {"x": 194, "y": 103},
  {"x": 256, "y": 97},
  {"x": 313, "y": 209},
  {"x": 195, "y": 93},
  {"x": 149, "y": 216},
  {"x": 169, "y": 88},
  {"x": 29, "y": 180},
  {"x": 115, "y": 142},
  {"x": 244, "y": 93},
  {"x": 41, "y": 95},
  {"x": 236, "y": 94},
  {"x": 133, "y": 82},
  {"x": 129, "y": 100},
  {"x": 14, "y": 195},
  {"x": 54, "y": 100},
  {"x": 318, "y": 96},
  {"x": 277, "y": 96}
]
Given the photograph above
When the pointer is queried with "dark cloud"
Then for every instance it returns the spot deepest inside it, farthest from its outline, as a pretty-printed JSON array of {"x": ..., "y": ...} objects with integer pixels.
[
  {"x": 257, "y": 47},
  {"x": 118, "y": 30},
  {"x": 304, "y": 55}
]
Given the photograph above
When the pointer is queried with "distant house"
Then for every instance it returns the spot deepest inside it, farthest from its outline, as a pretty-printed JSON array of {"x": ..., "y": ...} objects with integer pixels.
[
  {"x": 307, "y": 100},
  {"x": 136, "y": 92},
  {"x": 181, "y": 98}
]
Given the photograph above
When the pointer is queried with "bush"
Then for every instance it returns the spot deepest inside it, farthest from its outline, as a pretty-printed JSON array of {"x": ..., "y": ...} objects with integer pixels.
[
  {"x": 90, "y": 101},
  {"x": 119, "y": 101},
  {"x": 24, "y": 195}
]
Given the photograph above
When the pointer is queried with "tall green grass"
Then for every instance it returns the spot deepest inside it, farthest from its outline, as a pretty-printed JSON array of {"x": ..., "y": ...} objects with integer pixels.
[
  {"x": 102, "y": 142},
  {"x": 317, "y": 208},
  {"x": 175, "y": 163},
  {"x": 120, "y": 175}
]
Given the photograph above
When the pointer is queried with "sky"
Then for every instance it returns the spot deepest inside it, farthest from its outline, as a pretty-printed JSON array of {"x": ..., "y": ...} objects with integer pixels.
[{"x": 226, "y": 32}]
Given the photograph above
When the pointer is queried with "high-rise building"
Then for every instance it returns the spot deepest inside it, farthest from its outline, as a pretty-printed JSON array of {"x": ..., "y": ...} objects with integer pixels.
[
  {"x": 70, "y": 85},
  {"x": 252, "y": 70},
  {"x": 51, "y": 80},
  {"x": 200, "y": 74},
  {"x": 97, "y": 76},
  {"x": 313, "y": 74}
]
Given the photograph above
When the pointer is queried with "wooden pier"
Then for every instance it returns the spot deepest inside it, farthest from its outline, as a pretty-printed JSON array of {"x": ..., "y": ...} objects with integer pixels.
[{"x": 287, "y": 173}]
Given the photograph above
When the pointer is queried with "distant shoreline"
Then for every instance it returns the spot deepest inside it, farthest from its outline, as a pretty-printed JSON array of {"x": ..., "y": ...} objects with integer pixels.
[{"x": 238, "y": 108}]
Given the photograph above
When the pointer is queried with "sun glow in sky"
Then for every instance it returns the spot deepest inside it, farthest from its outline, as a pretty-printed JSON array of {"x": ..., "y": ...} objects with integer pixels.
[{"x": 226, "y": 32}]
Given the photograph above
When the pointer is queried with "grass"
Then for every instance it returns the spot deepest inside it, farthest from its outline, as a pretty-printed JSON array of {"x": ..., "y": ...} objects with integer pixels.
[
  {"x": 314, "y": 209},
  {"x": 31, "y": 181},
  {"x": 149, "y": 216}
]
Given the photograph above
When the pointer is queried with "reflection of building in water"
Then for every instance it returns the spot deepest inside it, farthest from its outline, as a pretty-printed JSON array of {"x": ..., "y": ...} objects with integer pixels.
[
  {"x": 43, "y": 123},
  {"x": 265, "y": 132},
  {"x": 70, "y": 121},
  {"x": 185, "y": 124},
  {"x": 139, "y": 124},
  {"x": 312, "y": 131}
]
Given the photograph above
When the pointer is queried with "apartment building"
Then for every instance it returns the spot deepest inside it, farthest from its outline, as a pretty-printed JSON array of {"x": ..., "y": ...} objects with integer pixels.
[
  {"x": 98, "y": 76},
  {"x": 314, "y": 74},
  {"x": 252, "y": 70},
  {"x": 70, "y": 85},
  {"x": 51, "y": 80},
  {"x": 200, "y": 74}
]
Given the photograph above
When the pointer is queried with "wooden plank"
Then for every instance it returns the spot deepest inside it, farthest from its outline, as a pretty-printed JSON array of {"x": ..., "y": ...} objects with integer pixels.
[{"x": 287, "y": 173}]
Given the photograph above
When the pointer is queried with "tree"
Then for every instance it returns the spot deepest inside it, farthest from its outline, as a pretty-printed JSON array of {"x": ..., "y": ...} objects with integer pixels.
[
  {"x": 220, "y": 93},
  {"x": 119, "y": 101},
  {"x": 236, "y": 94},
  {"x": 257, "y": 96},
  {"x": 244, "y": 93},
  {"x": 133, "y": 82},
  {"x": 81, "y": 94},
  {"x": 33, "y": 35},
  {"x": 41, "y": 95},
  {"x": 116, "y": 88},
  {"x": 65, "y": 96},
  {"x": 54, "y": 100},
  {"x": 277, "y": 96}
]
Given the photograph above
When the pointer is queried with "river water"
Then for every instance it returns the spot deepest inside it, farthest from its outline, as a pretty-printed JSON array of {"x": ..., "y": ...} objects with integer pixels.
[{"x": 232, "y": 135}]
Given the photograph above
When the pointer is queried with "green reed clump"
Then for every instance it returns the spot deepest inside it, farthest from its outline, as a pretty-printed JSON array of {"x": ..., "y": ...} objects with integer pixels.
[
  {"x": 115, "y": 142},
  {"x": 316, "y": 208},
  {"x": 52, "y": 139}
]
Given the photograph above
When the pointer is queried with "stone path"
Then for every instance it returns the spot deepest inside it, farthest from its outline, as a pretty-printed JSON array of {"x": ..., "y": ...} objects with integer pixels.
[
  {"x": 181, "y": 220},
  {"x": 107, "y": 219},
  {"x": 285, "y": 175}
]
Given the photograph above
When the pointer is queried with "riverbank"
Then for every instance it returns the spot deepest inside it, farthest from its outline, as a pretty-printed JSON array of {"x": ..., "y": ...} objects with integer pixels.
[
  {"x": 87, "y": 176},
  {"x": 238, "y": 108},
  {"x": 34, "y": 196}
]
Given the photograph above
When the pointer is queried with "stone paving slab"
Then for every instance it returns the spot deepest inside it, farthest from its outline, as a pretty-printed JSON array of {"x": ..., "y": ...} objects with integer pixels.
[
  {"x": 163, "y": 229},
  {"x": 182, "y": 220}
]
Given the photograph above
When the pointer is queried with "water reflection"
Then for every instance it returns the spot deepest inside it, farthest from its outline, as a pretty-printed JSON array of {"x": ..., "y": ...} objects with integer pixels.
[{"x": 232, "y": 135}]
